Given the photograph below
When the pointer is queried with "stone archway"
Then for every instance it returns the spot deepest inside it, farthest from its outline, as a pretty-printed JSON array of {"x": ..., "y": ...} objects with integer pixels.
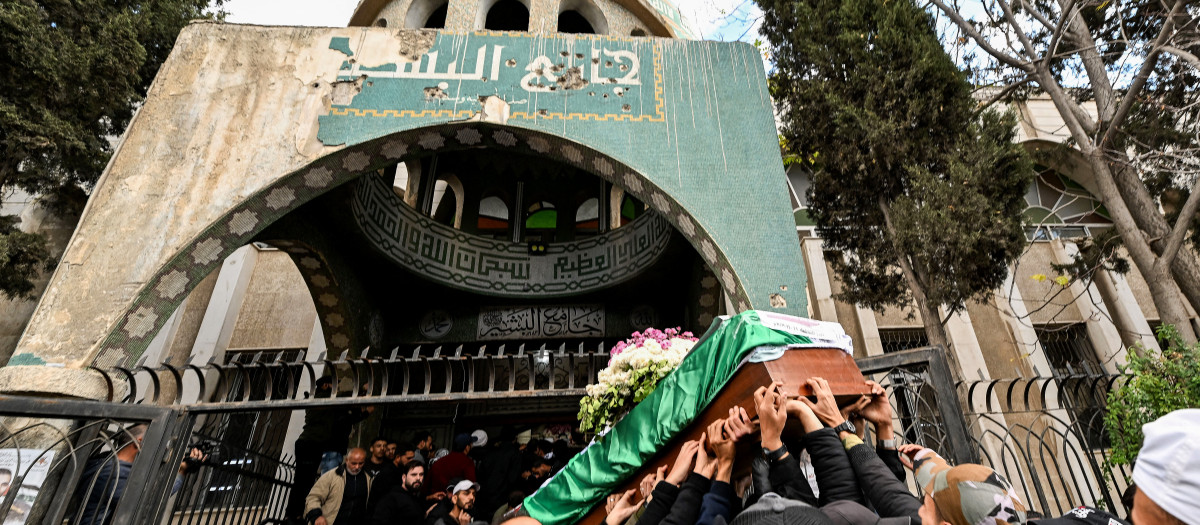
[{"x": 132, "y": 332}]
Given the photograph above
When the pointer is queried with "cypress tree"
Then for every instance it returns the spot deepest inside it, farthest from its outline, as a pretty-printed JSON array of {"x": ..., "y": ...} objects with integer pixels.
[{"x": 919, "y": 190}]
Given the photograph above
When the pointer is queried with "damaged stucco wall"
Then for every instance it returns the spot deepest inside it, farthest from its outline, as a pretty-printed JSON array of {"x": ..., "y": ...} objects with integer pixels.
[{"x": 236, "y": 110}]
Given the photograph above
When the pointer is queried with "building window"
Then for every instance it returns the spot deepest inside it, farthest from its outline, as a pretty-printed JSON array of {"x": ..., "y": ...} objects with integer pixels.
[
  {"x": 426, "y": 14},
  {"x": 587, "y": 217},
  {"x": 900, "y": 339},
  {"x": 581, "y": 16},
  {"x": 1058, "y": 207},
  {"x": 541, "y": 220},
  {"x": 507, "y": 15},
  {"x": 1074, "y": 363},
  {"x": 493, "y": 217}
]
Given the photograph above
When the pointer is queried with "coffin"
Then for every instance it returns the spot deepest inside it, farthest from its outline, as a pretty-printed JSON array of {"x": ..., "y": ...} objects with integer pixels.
[
  {"x": 793, "y": 369},
  {"x": 735, "y": 357}
]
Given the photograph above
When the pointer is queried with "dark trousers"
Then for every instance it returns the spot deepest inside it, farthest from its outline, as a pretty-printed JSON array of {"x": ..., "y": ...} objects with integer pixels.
[{"x": 308, "y": 459}]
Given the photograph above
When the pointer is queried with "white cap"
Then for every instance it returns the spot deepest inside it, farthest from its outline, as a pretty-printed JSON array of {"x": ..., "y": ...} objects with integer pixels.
[
  {"x": 464, "y": 485},
  {"x": 1167, "y": 467},
  {"x": 524, "y": 436},
  {"x": 478, "y": 438}
]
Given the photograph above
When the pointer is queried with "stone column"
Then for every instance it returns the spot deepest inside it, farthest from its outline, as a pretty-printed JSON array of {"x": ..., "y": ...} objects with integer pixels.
[
  {"x": 1106, "y": 339},
  {"x": 1127, "y": 315},
  {"x": 819, "y": 284}
]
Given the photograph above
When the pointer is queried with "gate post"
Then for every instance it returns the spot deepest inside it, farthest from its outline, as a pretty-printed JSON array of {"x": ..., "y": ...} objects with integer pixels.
[{"x": 950, "y": 407}]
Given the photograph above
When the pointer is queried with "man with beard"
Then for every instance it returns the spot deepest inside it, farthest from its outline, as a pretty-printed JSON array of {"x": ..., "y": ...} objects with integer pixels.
[
  {"x": 403, "y": 505},
  {"x": 340, "y": 495},
  {"x": 456, "y": 511}
]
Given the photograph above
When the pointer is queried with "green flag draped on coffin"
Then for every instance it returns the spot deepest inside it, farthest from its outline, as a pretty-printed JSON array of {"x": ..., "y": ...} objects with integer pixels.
[{"x": 674, "y": 404}]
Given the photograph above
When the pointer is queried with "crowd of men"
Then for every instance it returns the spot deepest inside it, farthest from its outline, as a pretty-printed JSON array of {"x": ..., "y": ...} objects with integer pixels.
[
  {"x": 860, "y": 484},
  {"x": 474, "y": 481},
  {"x": 855, "y": 483}
]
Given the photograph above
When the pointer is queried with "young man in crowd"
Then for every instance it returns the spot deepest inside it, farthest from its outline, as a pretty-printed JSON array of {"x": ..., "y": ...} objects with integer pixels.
[
  {"x": 424, "y": 442},
  {"x": 403, "y": 503},
  {"x": 459, "y": 507}
]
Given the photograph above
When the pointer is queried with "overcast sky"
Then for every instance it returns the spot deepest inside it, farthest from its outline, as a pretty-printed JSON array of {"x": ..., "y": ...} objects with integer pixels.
[{"x": 713, "y": 19}]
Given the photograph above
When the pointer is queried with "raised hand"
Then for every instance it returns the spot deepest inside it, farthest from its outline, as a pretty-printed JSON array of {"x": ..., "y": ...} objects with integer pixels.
[
  {"x": 683, "y": 462},
  {"x": 852, "y": 411},
  {"x": 622, "y": 507},
  {"x": 799, "y": 409},
  {"x": 738, "y": 425},
  {"x": 705, "y": 464},
  {"x": 724, "y": 449},
  {"x": 722, "y": 446},
  {"x": 771, "y": 415},
  {"x": 826, "y": 407},
  {"x": 879, "y": 410},
  {"x": 908, "y": 452}
]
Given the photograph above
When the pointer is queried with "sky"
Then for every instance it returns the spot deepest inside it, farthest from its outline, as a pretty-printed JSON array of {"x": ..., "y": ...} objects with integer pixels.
[{"x": 713, "y": 19}]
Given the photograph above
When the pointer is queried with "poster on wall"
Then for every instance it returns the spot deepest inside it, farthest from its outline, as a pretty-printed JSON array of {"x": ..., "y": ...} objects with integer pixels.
[
  {"x": 34, "y": 464},
  {"x": 537, "y": 322}
]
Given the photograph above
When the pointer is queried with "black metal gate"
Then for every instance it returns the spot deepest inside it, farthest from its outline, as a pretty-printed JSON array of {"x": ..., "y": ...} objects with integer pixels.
[{"x": 237, "y": 411}]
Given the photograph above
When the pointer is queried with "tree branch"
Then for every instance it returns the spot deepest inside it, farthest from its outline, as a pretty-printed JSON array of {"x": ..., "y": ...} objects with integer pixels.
[
  {"x": 979, "y": 40},
  {"x": 1175, "y": 239},
  {"x": 1187, "y": 57},
  {"x": 1003, "y": 92},
  {"x": 1142, "y": 77}
]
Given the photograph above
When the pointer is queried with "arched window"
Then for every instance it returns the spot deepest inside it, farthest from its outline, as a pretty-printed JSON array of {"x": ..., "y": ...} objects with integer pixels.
[
  {"x": 493, "y": 217},
  {"x": 505, "y": 15},
  {"x": 541, "y": 219},
  {"x": 587, "y": 217},
  {"x": 581, "y": 16},
  {"x": 427, "y": 14},
  {"x": 1059, "y": 207},
  {"x": 573, "y": 22},
  {"x": 447, "y": 201},
  {"x": 631, "y": 209},
  {"x": 638, "y": 32}
]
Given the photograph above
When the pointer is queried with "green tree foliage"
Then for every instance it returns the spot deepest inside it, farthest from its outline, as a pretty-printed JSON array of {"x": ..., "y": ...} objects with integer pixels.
[
  {"x": 72, "y": 72},
  {"x": 922, "y": 192},
  {"x": 1160, "y": 384}
]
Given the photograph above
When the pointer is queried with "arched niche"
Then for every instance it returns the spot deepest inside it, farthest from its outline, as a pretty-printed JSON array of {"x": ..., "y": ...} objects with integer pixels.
[
  {"x": 426, "y": 14},
  {"x": 581, "y": 16},
  {"x": 155, "y": 301},
  {"x": 503, "y": 15}
]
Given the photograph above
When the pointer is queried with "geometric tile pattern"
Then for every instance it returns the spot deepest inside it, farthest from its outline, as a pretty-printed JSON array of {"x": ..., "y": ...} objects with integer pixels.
[{"x": 162, "y": 294}]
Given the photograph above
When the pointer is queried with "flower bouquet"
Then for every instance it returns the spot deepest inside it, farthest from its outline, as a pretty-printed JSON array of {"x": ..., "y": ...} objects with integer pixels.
[{"x": 635, "y": 368}]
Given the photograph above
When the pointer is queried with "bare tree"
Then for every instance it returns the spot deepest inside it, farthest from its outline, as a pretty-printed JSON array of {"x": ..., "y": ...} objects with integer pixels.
[{"x": 1124, "y": 54}]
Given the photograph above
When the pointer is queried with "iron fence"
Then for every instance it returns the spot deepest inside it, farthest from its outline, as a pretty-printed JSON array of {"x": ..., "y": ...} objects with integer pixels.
[
  {"x": 427, "y": 374},
  {"x": 1045, "y": 434}
]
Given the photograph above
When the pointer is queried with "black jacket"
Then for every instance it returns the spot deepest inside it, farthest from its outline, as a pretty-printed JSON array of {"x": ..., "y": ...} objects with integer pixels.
[
  {"x": 396, "y": 507},
  {"x": 686, "y": 509},
  {"x": 835, "y": 477},
  {"x": 886, "y": 493},
  {"x": 891, "y": 458},
  {"x": 663, "y": 499}
]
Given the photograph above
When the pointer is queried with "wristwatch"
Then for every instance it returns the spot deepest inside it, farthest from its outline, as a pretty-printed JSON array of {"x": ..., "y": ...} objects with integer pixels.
[
  {"x": 774, "y": 455},
  {"x": 889, "y": 444},
  {"x": 846, "y": 426}
]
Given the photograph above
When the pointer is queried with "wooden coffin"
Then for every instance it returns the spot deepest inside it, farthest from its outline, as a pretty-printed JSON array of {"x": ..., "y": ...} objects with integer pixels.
[{"x": 793, "y": 369}]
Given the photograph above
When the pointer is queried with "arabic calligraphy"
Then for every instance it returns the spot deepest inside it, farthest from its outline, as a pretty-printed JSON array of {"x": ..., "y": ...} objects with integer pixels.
[
  {"x": 496, "y": 267},
  {"x": 605, "y": 66},
  {"x": 541, "y": 322}
]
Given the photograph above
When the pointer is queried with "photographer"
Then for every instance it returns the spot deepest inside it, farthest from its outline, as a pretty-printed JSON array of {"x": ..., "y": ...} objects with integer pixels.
[{"x": 190, "y": 464}]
